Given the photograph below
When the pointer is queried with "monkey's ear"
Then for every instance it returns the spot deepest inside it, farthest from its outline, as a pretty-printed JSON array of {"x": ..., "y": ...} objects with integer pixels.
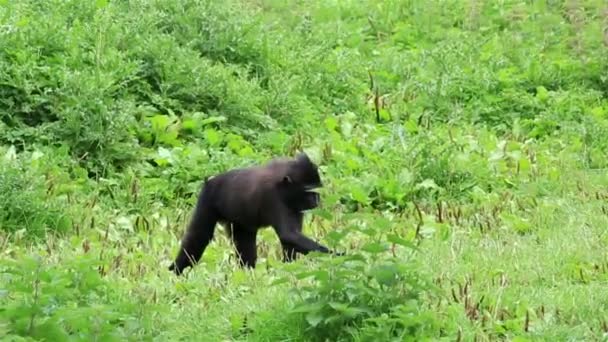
[{"x": 287, "y": 180}]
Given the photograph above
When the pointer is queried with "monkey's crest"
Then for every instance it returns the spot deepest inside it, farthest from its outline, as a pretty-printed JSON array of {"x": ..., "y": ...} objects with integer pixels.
[{"x": 303, "y": 172}]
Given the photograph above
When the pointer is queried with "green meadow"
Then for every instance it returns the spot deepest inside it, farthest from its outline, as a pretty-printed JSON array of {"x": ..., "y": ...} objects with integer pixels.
[{"x": 463, "y": 145}]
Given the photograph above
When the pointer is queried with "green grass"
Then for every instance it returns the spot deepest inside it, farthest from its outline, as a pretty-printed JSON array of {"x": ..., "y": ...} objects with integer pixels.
[{"x": 462, "y": 144}]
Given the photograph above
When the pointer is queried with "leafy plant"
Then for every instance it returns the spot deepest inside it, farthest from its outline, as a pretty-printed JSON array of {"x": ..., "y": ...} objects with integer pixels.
[
  {"x": 64, "y": 301},
  {"x": 364, "y": 294},
  {"x": 489, "y": 155},
  {"x": 24, "y": 199}
]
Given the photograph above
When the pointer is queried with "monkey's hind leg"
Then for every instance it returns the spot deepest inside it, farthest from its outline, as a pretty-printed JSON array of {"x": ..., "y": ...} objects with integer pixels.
[
  {"x": 198, "y": 235},
  {"x": 245, "y": 245}
]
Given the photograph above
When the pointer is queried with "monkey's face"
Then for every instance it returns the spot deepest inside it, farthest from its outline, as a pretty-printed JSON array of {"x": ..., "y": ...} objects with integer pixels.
[
  {"x": 298, "y": 185},
  {"x": 300, "y": 199}
]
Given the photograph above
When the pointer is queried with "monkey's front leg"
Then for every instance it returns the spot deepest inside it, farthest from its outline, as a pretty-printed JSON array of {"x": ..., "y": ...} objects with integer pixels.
[{"x": 289, "y": 230}]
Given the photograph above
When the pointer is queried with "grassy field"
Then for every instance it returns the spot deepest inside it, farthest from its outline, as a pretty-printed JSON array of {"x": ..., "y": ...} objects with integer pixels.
[{"x": 463, "y": 144}]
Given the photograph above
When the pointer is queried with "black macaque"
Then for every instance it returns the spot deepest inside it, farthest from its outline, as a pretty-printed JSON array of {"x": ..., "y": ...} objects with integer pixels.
[{"x": 248, "y": 199}]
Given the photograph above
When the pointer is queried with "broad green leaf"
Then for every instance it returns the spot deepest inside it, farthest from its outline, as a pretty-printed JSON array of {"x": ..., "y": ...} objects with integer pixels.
[
  {"x": 411, "y": 126},
  {"x": 307, "y": 307},
  {"x": 542, "y": 93},
  {"x": 189, "y": 125},
  {"x": 382, "y": 223},
  {"x": 317, "y": 274},
  {"x": 375, "y": 247},
  {"x": 212, "y": 136},
  {"x": 400, "y": 241},
  {"x": 159, "y": 122},
  {"x": 321, "y": 212},
  {"x": 427, "y": 184},
  {"x": 314, "y": 318},
  {"x": 385, "y": 114},
  {"x": 385, "y": 274},
  {"x": 213, "y": 119},
  {"x": 358, "y": 194},
  {"x": 331, "y": 123}
]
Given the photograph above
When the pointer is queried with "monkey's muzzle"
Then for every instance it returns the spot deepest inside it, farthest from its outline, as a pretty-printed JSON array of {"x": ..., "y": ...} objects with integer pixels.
[{"x": 314, "y": 198}]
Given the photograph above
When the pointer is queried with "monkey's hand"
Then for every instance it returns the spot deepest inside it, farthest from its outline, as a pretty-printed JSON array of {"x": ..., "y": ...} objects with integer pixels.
[
  {"x": 177, "y": 270},
  {"x": 336, "y": 253}
]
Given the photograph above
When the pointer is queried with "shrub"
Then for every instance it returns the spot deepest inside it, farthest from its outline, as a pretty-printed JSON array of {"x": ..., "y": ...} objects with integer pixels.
[
  {"x": 25, "y": 202},
  {"x": 365, "y": 294},
  {"x": 60, "y": 302}
]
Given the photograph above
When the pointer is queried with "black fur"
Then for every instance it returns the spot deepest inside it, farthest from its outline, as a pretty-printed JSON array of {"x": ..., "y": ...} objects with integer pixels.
[{"x": 245, "y": 200}]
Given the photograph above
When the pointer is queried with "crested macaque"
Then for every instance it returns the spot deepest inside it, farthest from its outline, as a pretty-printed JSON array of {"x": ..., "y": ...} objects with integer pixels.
[{"x": 247, "y": 199}]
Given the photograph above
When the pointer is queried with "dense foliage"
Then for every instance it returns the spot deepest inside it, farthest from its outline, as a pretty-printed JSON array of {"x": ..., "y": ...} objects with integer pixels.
[{"x": 462, "y": 143}]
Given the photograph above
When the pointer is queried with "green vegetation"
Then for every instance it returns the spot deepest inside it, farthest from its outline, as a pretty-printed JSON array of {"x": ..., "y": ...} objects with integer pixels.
[{"x": 463, "y": 144}]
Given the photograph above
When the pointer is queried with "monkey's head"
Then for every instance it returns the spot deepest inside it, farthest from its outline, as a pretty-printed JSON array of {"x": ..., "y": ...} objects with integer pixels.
[
  {"x": 301, "y": 177},
  {"x": 302, "y": 173}
]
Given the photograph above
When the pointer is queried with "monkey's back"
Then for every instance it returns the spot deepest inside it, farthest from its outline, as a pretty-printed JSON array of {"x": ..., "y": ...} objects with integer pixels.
[{"x": 246, "y": 196}]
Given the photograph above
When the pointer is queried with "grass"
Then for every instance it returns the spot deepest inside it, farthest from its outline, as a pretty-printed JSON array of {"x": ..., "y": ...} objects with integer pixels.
[
  {"x": 554, "y": 275},
  {"x": 461, "y": 143}
]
